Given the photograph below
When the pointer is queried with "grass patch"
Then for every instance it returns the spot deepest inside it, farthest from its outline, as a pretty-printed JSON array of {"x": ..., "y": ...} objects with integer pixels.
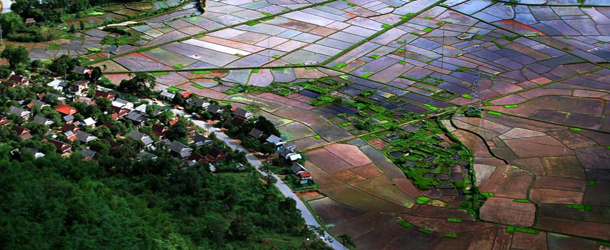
[
  {"x": 431, "y": 107},
  {"x": 202, "y": 72},
  {"x": 494, "y": 113},
  {"x": 386, "y": 26},
  {"x": 252, "y": 23},
  {"x": 428, "y": 29},
  {"x": 429, "y": 18},
  {"x": 375, "y": 56},
  {"x": 405, "y": 223},
  {"x": 198, "y": 86},
  {"x": 318, "y": 137},
  {"x": 94, "y": 49},
  {"x": 450, "y": 235},
  {"x": 53, "y": 47},
  {"x": 422, "y": 200},
  {"x": 588, "y": 208},
  {"x": 165, "y": 27},
  {"x": 173, "y": 89},
  {"x": 339, "y": 65},
  {"x": 467, "y": 96},
  {"x": 403, "y": 62},
  {"x": 178, "y": 66},
  {"x": 461, "y": 69},
  {"x": 522, "y": 200},
  {"x": 310, "y": 68},
  {"x": 591, "y": 183},
  {"x": 512, "y": 229},
  {"x": 367, "y": 75},
  {"x": 454, "y": 220},
  {"x": 160, "y": 73},
  {"x": 426, "y": 231},
  {"x": 199, "y": 36},
  {"x": 254, "y": 71},
  {"x": 512, "y": 106},
  {"x": 575, "y": 129},
  {"x": 488, "y": 194}
]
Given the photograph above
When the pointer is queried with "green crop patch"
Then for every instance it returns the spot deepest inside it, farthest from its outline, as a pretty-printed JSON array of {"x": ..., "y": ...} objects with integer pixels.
[
  {"x": 575, "y": 129},
  {"x": 405, "y": 223},
  {"x": 428, "y": 18},
  {"x": 178, "y": 66},
  {"x": 345, "y": 124},
  {"x": 173, "y": 89},
  {"x": 580, "y": 207},
  {"x": 252, "y": 23},
  {"x": 375, "y": 56},
  {"x": 339, "y": 65},
  {"x": 431, "y": 107},
  {"x": 403, "y": 62},
  {"x": 199, "y": 36},
  {"x": 367, "y": 75},
  {"x": 198, "y": 86},
  {"x": 522, "y": 200},
  {"x": 318, "y": 137},
  {"x": 510, "y": 229},
  {"x": 512, "y": 106},
  {"x": 488, "y": 194},
  {"x": 494, "y": 113},
  {"x": 422, "y": 200},
  {"x": 604, "y": 243},
  {"x": 310, "y": 68},
  {"x": 201, "y": 72},
  {"x": 276, "y": 56},
  {"x": 591, "y": 183},
  {"x": 428, "y": 29},
  {"x": 386, "y": 26},
  {"x": 414, "y": 33},
  {"x": 426, "y": 231},
  {"x": 467, "y": 96},
  {"x": 454, "y": 220},
  {"x": 255, "y": 71},
  {"x": 160, "y": 73},
  {"x": 450, "y": 235}
]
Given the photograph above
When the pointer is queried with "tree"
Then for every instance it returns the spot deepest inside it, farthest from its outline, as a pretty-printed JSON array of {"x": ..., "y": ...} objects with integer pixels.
[
  {"x": 347, "y": 241},
  {"x": 15, "y": 56},
  {"x": 11, "y": 23},
  {"x": 241, "y": 227},
  {"x": 178, "y": 131},
  {"x": 95, "y": 76},
  {"x": 63, "y": 65},
  {"x": 140, "y": 84}
]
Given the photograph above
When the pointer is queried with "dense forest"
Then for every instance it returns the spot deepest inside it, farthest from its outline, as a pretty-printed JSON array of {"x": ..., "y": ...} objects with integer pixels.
[{"x": 66, "y": 203}]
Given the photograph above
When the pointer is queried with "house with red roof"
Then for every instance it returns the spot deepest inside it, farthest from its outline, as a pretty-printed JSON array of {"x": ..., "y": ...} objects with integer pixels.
[{"x": 65, "y": 109}]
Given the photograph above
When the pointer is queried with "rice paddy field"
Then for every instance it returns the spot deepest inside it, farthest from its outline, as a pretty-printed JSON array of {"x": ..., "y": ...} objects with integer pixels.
[{"x": 373, "y": 94}]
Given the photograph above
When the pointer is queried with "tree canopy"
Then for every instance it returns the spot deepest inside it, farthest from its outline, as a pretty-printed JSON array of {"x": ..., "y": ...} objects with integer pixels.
[{"x": 15, "y": 56}]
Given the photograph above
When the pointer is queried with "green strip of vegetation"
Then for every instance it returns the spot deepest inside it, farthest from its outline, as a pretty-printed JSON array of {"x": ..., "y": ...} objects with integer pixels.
[
  {"x": 575, "y": 129},
  {"x": 450, "y": 235},
  {"x": 405, "y": 223},
  {"x": 494, "y": 113},
  {"x": 201, "y": 72},
  {"x": 426, "y": 231},
  {"x": 512, "y": 229},
  {"x": 339, "y": 65},
  {"x": 198, "y": 86},
  {"x": 254, "y": 70},
  {"x": 318, "y": 137},
  {"x": 159, "y": 73},
  {"x": 522, "y": 200},
  {"x": 178, "y": 66},
  {"x": 467, "y": 96},
  {"x": 367, "y": 75},
  {"x": 454, "y": 220},
  {"x": 512, "y": 106},
  {"x": 588, "y": 208},
  {"x": 173, "y": 89},
  {"x": 591, "y": 183},
  {"x": 422, "y": 200},
  {"x": 488, "y": 194}
]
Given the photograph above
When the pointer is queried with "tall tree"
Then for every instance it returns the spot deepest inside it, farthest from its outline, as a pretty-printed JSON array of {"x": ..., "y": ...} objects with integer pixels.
[
  {"x": 16, "y": 56},
  {"x": 140, "y": 84},
  {"x": 11, "y": 23}
]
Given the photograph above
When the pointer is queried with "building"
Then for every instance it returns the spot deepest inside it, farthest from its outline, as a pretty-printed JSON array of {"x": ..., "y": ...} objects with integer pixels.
[
  {"x": 37, "y": 103},
  {"x": 215, "y": 155},
  {"x": 255, "y": 133},
  {"x": 137, "y": 118},
  {"x": 195, "y": 159},
  {"x": 69, "y": 127},
  {"x": 88, "y": 154},
  {"x": 197, "y": 102},
  {"x": 20, "y": 112},
  {"x": 35, "y": 153},
  {"x": 214, "y": 109},
  {"x": 68, "y": 118},
  {"x": 79, "y": 88},
  {"x": 166, "y": 95},
  {"x": 85, "y": 137},
  {"x": 61, "y": 147},
  {"x": 159, "y": 130},
  {"x": 16, "y": 80},
  {"x": 57, "y": 84},
  {"x": 22, "y": 132},
  {"x": 301, "y": 172},
  {"x": 89, "y": 122},
  {"x": 180, "y": 149},
  {"x": 239, "y": 112},
  {"x": 139, "y": 136},
  {"x": 287, "y": 152},
  {"x": 104, "y": 95},
  {"x": 30, "y": 21},
  {"x": 201, "y": 140},
  {"x": 276, "y": 141},
  {"x": 81, "y": 70},
  {"x": 42, "y": 120},
  {"x": 4, "y": 121},
  {"x": 120, "y": 103},
  {"x": 65, "y": 109}
]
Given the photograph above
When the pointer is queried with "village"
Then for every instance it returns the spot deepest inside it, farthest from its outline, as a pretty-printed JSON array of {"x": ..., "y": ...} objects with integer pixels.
[{"x": 93, "y": 122}]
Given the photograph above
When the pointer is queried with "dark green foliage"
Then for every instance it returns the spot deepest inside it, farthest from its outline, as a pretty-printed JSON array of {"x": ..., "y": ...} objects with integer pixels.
[
  {"x": 16, "y": 56},
  {"x": 178, "y": 131},
  {"x": 141, "y": 84},
  {"x": 63, "y": 65}
]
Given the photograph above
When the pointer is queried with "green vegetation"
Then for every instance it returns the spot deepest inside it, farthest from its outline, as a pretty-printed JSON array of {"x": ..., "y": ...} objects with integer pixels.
[
  {"x": 522, "y": 200},
  {"x": 426, "y": 231},
  {"x": 512, "y": 106},
  {"x": 367, "y": 75},
  {"x": 591, "y": 183},
  {"x": 575, "y": 129},
  {"x": 494, "y": 113},
  {"x": 512, "y": 229},
  {"x": 405, "y": 223},
  {"x": 580, "y": 207},
  {"x": 422, "y": 200},
  {"x": 450, "y": 235},
  {"x": 454, "y": 220}
]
